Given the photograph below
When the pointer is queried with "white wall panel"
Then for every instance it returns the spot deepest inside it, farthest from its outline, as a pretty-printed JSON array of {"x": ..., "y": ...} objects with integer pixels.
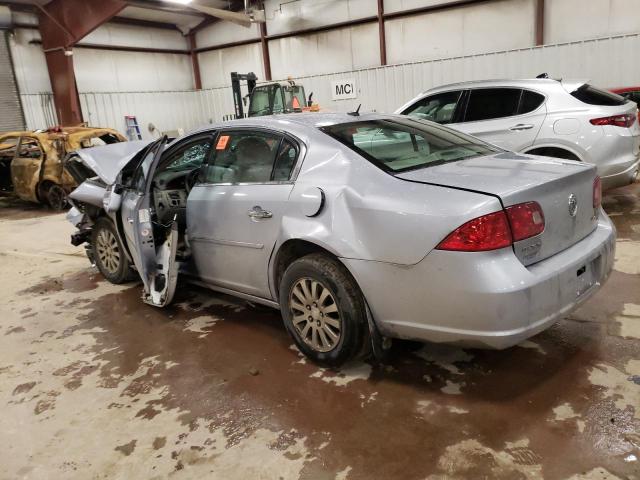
[
  {"x": 603, "y": 61},
  {"x": 503, "y": 25},
  {"x": 113, "y": 71},
  {"x": 333, "y": 51},
  {"x": 133, "y": 36},
  {"x": 216, "y": 66},
  {"x": 225, "y": 32},
  {"x": 568, "y": 20},
  {"x": 29, "y": 62},
  {"x": 166, "y": 110},
  {"x": 39, "y": 111},
  {"x": 391, "y": 6},
  {"x": 285, "y": 16}
]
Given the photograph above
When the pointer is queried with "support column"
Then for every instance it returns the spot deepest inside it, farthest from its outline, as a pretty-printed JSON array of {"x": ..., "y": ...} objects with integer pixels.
[
  {"x": 382, "y": 33},
  {"x": 539, "y": 28},
  {"x": 62, "y": 23},
  {"x": 197, "y": 79},
  {"x": 266, "y": 58}
]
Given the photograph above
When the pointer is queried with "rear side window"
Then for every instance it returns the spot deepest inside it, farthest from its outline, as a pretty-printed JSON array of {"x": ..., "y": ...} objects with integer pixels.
[
  {"x": 489, "y": 103},
  {"x": 530, "y": 101},
  {"x": 595, "y": 96},
  {"x": 251, "y": 157},
  {"x": 439, "y": 108}
]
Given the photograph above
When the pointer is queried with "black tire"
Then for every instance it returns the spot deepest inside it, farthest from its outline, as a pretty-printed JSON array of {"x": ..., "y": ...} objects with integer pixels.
[
  {"x": 56, "y": 197},
  {"x": 115, "y": 267},
  {"x": 353, "y": 339}
]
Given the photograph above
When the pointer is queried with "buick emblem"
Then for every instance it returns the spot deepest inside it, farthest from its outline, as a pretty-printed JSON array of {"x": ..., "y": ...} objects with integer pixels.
[{"x": 573, "y": 205}]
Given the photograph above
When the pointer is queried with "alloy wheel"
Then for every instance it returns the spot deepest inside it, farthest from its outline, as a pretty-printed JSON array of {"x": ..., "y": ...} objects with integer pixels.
[
  {"x": 315, "y": 314},
  {"x": 108, "y": 251}
]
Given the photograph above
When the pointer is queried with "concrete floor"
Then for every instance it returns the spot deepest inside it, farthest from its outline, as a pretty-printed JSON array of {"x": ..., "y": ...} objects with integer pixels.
[{"x": 94, "y": 384}]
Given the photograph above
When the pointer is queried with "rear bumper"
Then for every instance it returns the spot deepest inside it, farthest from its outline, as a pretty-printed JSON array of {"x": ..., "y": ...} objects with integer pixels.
[
  {"x": 625, "y": 177},
  {"x": 484, "y": 299}
]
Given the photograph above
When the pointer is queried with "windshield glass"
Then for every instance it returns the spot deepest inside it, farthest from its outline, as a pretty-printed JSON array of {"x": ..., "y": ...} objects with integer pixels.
[
  {"x": 261, "y": 101},
  {"x": 398, "y": 145}
]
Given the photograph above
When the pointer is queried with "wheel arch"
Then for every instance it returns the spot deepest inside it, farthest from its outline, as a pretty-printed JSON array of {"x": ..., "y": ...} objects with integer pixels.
[
  {"x": 291, "y": 250},
  {"x": 551, "y": 150}
]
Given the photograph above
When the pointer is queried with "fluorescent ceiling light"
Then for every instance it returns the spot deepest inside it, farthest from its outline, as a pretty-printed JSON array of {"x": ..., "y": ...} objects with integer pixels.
[{"x": 182, "y": 2}]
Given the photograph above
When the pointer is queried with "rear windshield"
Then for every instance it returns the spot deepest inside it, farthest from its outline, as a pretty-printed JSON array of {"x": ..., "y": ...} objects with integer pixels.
[
  {"x": 595, "y": 96},
  {"x": 398, "y": 145}
]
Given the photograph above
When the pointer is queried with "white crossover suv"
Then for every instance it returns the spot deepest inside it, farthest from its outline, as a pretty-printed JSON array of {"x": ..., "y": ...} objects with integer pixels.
[{"x": 542, "y": 116}]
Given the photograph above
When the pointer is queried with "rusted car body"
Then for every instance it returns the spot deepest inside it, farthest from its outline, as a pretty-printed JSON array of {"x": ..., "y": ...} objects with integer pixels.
[{"x": 31, "y": 163}]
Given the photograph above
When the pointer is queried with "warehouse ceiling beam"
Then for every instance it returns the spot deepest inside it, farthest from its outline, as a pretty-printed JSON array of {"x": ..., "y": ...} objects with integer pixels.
[{"x": 62, "y": 24}]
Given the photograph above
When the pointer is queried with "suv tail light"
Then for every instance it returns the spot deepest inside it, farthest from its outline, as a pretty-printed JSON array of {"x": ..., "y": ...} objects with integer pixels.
[
  {"x": 597, "y": 192},
  {"x": 496, "y": 230},
  {"x": 626, "y": 120}
]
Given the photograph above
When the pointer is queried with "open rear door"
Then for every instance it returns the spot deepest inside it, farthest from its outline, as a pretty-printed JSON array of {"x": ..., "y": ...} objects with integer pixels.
[{"x": 156, "y": 265}]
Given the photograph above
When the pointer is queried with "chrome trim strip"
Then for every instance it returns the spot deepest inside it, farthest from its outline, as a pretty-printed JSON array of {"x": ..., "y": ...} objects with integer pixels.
[{"x": 232, "y": 243}]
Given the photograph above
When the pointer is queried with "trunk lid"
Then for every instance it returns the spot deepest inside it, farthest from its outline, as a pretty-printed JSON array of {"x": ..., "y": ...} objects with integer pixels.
[{"x": 514, "y": 178}]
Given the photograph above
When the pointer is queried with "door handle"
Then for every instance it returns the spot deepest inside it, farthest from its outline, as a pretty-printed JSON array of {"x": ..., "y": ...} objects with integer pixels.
[
  {"x": 258, "y": 212},
  {"x": 521, "y": 126}
]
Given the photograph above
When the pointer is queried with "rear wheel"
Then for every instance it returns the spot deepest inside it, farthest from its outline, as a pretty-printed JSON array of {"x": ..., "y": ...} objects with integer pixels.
[
  {"x": 323, "y": 310},
  {"x": 56, "y": 197},
  {"x": 109, "y": 254}
]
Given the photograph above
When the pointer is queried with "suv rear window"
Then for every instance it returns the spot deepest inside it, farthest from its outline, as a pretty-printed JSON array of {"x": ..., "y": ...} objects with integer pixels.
[
  {"x": 398, "y": 145},
  {"x": 595, "y": 96}
]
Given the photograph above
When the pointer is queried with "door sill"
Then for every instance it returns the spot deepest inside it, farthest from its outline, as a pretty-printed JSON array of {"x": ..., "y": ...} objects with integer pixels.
[{"x": 233, "y": 293}]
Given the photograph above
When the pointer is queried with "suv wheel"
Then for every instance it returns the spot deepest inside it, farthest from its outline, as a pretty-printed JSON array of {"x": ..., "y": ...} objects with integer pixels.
[
  {"x": 108, "y": 252},
  {"x": 323, "y": 310}
]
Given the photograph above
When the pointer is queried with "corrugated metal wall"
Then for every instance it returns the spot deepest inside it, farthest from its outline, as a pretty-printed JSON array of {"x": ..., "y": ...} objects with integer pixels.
[
  {"x": 607, "y": 62},
  {"x": 11, "y": 117}
]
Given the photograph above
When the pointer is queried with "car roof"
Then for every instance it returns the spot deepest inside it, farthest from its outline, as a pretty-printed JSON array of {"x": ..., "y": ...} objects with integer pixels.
[
  {"x": 533, "y": 83},
  {"x": 304, "y": 119}
]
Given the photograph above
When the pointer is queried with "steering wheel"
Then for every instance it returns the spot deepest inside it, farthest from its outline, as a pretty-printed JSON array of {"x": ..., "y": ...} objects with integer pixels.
[{"x": 191, "y": 179}]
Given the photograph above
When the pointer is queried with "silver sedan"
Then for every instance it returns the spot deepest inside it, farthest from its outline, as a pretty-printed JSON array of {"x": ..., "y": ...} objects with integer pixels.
[{"x": 359, "y": 228}]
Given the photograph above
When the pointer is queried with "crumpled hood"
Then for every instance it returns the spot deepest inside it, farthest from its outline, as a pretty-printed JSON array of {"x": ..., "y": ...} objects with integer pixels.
[{"x": 107, "y": 161}]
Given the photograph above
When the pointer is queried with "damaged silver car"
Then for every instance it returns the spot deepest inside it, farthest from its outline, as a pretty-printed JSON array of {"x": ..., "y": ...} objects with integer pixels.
[{"x": 359, "y": 228}]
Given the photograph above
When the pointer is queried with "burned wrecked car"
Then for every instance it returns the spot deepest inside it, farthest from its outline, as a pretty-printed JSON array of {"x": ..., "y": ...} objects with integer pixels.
[
  {"x": 31, "y": 163},
  {"x": 359, "y": 228}
]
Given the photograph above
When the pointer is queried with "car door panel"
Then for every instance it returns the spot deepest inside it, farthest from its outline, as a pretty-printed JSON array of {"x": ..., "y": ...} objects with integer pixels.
[
  {"x": 231, "y": 245},
  {"x": 233, "y": 223},
  {"x": 157, "y": 266},
  {"x": 508, "y": 129},
  {"x": 26, "y": 168}
]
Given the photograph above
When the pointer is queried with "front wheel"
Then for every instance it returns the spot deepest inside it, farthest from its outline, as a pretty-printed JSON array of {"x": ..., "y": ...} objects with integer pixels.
[
  {"x": 323, "y": 310},
  {"x": 108, "y": 252}
]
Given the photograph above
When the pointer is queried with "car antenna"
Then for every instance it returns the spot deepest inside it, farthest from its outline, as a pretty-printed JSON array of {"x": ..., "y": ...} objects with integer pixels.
[
  {"x": 543, "y": 75},
  {"x": 355, "y": 113}
]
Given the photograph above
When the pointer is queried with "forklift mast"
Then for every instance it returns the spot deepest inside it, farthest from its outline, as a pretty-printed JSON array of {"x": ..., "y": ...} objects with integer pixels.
[{"x": 236, "y": 78}]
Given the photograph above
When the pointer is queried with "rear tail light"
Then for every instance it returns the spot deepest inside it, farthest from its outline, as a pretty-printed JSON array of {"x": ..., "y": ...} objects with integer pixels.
[
  {"x": 526, "y": 220},
  {"x": 496, "y": 230},
  {"x": 626, "y": 120},
  {"x": 597, "y": 192}
]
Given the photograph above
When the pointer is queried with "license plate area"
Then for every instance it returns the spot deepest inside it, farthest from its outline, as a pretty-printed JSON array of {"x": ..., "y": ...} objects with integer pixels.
[{"x": 585, "y": 275}]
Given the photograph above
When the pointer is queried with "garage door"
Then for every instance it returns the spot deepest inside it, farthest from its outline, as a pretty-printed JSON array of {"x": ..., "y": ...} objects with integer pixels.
[{"x": 11, "y": 117}]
